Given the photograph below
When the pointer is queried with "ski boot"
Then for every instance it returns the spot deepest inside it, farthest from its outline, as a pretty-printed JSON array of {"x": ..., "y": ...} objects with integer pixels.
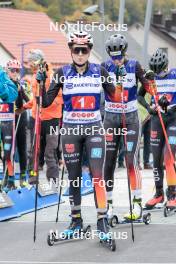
[
  {"x": 112, "y": 218},
  {"x": 23, "y": 182},
  {"x": 170, "y": 205},
  {"x": 10, "y": 186},
  {"x": 136, "y": 216},
  {"x": 156, "y": 201},
  {"x": 136, "y": 211},
  {"x": 104, "y": 234},
  {"x": 32, "y": 178},
  {"x": 74, "y": 231}
]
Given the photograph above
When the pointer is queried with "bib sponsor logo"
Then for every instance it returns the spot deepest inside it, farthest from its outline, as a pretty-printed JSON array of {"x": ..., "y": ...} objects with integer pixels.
[
  {"x": 4, "y": 108},
  {"x": 82, "y": 115},
  {"x": 117, "y": 106},
  {"x": 69, "y": 85},
  {"x": 70, "y": 148}
]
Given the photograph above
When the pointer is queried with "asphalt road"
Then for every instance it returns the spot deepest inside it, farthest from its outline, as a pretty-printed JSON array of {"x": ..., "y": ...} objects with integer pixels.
[{"x": 155, "y": 243}]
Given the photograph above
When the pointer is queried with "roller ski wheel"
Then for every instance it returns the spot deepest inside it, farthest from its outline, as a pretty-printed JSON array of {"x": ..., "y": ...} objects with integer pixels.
[
  {"x": 104, "y": 234},
  {"x": 52, "y": 236},
  {"x": 87, "y": 231},
  {"x": 168, "y": 211},
  {"x": 109, "y": 242},
  {"x": 146, "y": 218},
  {"x": 113, "y": 221}
]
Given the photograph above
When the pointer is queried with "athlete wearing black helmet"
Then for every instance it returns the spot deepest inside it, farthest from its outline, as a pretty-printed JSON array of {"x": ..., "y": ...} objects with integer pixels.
[
  {"x": 130, "y": 72},
  {"x": 166, "y": 92}
]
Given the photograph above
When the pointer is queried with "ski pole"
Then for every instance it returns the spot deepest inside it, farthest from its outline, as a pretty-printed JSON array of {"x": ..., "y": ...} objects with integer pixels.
[
  {"x": 63, "y": 170},
  {"x": 37, "y": 149},
  {"x": 60, "y": 193},
  {"x": 126, "y": 156}
]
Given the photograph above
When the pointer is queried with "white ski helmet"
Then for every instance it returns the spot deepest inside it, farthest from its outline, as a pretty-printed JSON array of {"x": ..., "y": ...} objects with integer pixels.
[{"x": 81, "y": 38}]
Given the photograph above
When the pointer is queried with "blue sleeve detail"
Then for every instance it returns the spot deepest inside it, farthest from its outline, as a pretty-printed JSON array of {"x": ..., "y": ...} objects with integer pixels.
[{"x": 8, "y": 90}]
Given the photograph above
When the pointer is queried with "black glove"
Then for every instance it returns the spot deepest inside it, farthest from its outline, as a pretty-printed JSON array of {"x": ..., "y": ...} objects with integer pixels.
[
  {"x": 122, "y": 71},
  {"x": 151, "y": 111},
  {"x": 149, "y": 75},
  {"x": 172, "y": 110},
  {"x": 163, "y": 102},
  {"x": 41, "y": 76}
]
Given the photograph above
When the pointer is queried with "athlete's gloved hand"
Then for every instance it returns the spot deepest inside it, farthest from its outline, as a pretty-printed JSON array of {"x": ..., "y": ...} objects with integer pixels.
[
  {"x": 149, "y": 75},
  {"x": 41, "y": 76},
  {"x": 172, "y": 110},
  {"x": 163, "y": 102},
  {"x": 122, "y": 71},
  {"x": 151, "y": 110}
]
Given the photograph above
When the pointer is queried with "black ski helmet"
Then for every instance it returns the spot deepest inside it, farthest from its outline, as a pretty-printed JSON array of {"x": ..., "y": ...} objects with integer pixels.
[
  {"x": 159, "y": 61},
  {"x": 116, "y": 45}
]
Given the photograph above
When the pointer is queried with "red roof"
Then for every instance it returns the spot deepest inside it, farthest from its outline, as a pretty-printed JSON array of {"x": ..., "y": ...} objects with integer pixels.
[{"x": 18, "y": 26}]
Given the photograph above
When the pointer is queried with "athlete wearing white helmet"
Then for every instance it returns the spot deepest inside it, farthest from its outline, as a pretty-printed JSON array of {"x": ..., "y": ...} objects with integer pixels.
[{"x": 81, "y": 93}]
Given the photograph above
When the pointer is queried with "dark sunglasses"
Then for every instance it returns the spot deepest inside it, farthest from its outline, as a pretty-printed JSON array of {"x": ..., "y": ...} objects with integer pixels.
[
  {"x": 83, "y": 50},
  {"x": 13, "y": 70},
  {"x": 117, "y": 57}
]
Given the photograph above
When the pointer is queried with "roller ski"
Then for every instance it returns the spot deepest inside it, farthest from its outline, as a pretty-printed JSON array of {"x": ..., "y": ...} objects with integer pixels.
[
  {"x": 170, "y": 205},
  {"x": 136, "y": 216},
  {"x": 74, "y": 231},
  {"x": 104, "y": 234},
  {"x": 157, "y": 202}
]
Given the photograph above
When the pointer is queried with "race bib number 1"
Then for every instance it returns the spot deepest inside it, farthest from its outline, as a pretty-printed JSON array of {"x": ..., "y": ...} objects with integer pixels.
[{"x": 83, "y": 102}]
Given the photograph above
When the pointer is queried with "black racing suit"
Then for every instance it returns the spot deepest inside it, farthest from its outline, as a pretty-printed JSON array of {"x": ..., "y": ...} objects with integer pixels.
[
  {"x": 158, "y": 143},
  {"x": 21, "y": 128},
  {"x": 115, "y": 121},
  {"x": 73, "y": 145}
]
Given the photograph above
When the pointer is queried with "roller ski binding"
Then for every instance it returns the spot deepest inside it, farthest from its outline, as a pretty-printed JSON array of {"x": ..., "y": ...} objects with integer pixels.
[
  {"x": 156, "y": 202},
  {"x": 74, "y": 231},
  {"x": 137, "y": 216},
  {"x": 9, "y": 187},
  {"x": 170, "y": 205},
  {"x": 112, "y": 218},
  {"x": 104, "y": 234}
]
